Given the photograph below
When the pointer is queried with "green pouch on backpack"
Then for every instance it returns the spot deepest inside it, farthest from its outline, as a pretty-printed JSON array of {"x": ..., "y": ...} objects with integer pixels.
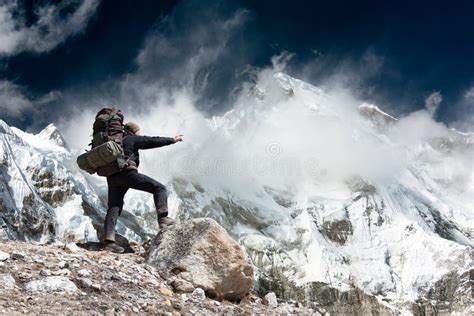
[{"x": 99, "y": 156}]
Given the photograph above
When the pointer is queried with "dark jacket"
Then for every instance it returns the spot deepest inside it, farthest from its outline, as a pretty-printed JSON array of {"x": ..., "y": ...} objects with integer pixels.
[{"x": 132, "y": 143}]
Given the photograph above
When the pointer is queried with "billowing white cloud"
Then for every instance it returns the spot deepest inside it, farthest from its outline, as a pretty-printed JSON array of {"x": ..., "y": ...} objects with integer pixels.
[
  {"x": 259, "y": 130},
  {"x": 52, "y": 26},
  {"x": 432, "y": 102}
]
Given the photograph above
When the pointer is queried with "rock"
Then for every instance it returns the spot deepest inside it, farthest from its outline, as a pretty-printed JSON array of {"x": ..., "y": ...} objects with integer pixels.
[
  {"x": 97, "y": 287},
  {"x": 61, "y": 272},
  {"x": 63, "y": 264},
  {"x": 201, "y": 252},
  {"x": 182, "y": 286},
  {"x": 85, "y": 282},
  {"x": 17, "y": 256},
  {"x": 4, "y": 256},
  {"x": 270, "y": 300},
  {"x": 83, "y": 273},
  {"x": 110, "y": 312},
  {"x": 287, "y": 310},
  {"x": 71, "y": 247},
  {"x": 452, "y": 294},
  {"x": 41, "y": 252},
  {"x": 166, "y": 291},
  {"x": 51, "y": 284},
  {"x": 7, "y": 282},
  {"x": 177, "y": 305},
  {"x": 199, "y": 293},
  {"x": 151, "y": 309}
]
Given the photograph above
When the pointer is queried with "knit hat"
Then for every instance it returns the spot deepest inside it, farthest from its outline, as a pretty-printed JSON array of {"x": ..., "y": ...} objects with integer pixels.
[{"x": 132, "y": 126}]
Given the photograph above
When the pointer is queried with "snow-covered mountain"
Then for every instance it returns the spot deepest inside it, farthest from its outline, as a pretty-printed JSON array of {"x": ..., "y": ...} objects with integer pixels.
[
  {"x": 43, "y": 195},
  {"x": 341, "y": 204}
]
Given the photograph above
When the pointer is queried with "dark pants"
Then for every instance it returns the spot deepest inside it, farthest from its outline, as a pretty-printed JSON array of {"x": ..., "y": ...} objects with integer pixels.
[{"x": 119, "y": 184}]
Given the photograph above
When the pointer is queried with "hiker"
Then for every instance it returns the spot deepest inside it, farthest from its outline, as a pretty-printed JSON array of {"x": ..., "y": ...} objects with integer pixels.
[{"x": 130, "y": 178}]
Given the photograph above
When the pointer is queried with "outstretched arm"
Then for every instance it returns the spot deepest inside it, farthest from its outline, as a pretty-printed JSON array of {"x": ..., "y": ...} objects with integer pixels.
[{"x": 147, "y": 142}]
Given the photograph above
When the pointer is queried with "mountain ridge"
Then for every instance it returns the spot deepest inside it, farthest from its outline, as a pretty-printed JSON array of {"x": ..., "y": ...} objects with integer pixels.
[{"x": 333, "y": 228}]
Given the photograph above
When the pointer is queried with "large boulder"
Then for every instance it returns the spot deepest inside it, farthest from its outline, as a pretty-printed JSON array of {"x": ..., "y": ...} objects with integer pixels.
[{"x": 201, "y": 252}]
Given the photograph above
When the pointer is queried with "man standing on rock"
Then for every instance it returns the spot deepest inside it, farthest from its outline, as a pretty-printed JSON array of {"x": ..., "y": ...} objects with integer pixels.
[{"x": 130, "y": 178}]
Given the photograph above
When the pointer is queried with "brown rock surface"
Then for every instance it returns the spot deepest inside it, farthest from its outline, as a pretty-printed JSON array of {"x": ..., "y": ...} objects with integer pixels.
[
  {"x": 107, "y": 284},
  {"x": 201, "y": 252}
]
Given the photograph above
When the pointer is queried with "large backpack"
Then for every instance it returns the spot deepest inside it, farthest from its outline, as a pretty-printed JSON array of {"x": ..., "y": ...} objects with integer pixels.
[{"x": 106, "y": 156}]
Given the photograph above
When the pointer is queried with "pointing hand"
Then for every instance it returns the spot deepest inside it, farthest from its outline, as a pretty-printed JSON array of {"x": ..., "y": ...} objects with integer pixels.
[{"x": 178, "y": 138}]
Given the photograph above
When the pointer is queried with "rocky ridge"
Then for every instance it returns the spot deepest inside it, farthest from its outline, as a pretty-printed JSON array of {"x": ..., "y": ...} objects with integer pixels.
[{"x": 66, "y": 279}]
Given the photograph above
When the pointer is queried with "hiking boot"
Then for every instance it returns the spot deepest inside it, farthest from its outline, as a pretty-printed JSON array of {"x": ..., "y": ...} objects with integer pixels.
[
  {"x": 113, "y": 247},
  {"x": 165, "y": 222}
]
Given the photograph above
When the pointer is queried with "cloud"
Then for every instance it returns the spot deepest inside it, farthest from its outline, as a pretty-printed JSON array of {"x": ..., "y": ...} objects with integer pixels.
[
  {"x": 279, "y": 62},
  {"x": 267, "y": 135},
  {"x": 360, "y": 71},
  {"x": 432, "y": 102},
  {"x": 15, "y": 101},
  {"x": 197, "y": 47},
  {"x": 469, "y": 94},
  {"x": 49, "y": 97},
  {"x": 371, "y": 62},
  {"x": 54, "y": 23},
  {"x": 463, "y": 117}
]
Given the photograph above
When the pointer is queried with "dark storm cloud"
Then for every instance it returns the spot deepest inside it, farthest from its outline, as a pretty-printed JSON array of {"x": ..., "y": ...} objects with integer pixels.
[
  {"x": 207, "y": 49},
  {"x": 204, "y": 48}
]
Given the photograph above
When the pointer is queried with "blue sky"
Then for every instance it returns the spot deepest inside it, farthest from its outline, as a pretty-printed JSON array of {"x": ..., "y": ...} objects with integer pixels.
[{"x": 396, "y": 54}]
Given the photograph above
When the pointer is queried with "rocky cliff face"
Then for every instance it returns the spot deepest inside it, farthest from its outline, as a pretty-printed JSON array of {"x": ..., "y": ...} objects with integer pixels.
[{"x": 354, "y": 241}]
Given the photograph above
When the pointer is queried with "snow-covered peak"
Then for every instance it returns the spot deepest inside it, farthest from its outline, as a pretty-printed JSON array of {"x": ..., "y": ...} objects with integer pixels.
[
  {"x": 51, "y": 133},
  {"x": 374, "y": 114},
  {"x": 48, "y": 141},
  {"x": 287, "y": 82}
]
